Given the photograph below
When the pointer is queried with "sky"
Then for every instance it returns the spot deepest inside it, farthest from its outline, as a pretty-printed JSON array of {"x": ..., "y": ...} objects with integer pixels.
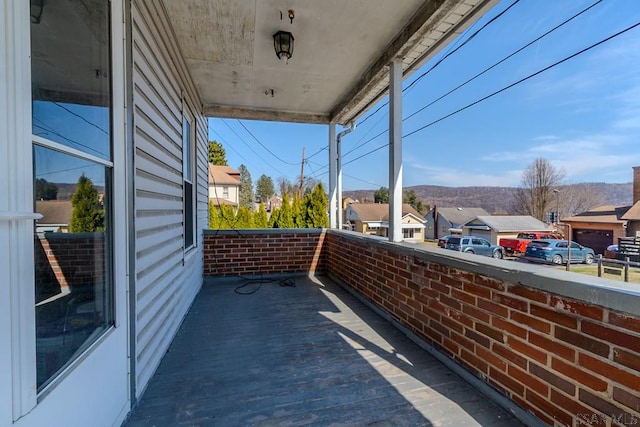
[{"x": 582, "y": 115}]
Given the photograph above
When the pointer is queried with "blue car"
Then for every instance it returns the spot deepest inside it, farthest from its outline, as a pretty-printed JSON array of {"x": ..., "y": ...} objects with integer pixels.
[
  {"x": 557, "y": 251},
  {"x": 474, "y": 245}
]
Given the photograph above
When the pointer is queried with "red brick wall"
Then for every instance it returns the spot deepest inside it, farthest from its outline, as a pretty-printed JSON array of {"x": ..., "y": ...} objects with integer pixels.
[
  {"x": 70, "y": 258},
  {"x": 246, "y": 252},
  {"x": 567, "y": 361}
]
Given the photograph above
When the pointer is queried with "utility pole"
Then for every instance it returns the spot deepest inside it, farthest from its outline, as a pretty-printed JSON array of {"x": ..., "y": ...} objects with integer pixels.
[{"x": 301, "y": 175}]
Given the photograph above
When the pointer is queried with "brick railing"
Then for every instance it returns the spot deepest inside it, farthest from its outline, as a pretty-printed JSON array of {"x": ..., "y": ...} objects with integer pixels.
[
  {"x": 566, "y": 351},
  {"x": 263, "y": 251},
  {"x": 69, "y": 259}
]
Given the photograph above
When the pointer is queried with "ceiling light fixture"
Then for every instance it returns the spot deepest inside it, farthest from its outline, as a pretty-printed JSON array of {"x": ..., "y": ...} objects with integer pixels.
[{"x": 283, "y": 41}]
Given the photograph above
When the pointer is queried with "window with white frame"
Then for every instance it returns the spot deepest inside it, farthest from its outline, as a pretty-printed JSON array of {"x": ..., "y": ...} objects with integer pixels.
[
  {"x": 408, "y": 233},
  {"x": 188, "y": 173},
  {"x": 73, "y": 170}
]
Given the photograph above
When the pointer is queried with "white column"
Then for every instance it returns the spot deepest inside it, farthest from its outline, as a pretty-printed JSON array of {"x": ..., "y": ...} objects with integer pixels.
[
  {"x": 339, "y": 167},
  {"x": 395, "y": 151},
  {"x": 333, "y": 182}
]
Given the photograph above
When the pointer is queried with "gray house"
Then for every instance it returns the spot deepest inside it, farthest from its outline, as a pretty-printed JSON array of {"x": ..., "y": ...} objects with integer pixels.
[
  {"x": 443, "y": 221},
  {"x": 494, "y": 228}
]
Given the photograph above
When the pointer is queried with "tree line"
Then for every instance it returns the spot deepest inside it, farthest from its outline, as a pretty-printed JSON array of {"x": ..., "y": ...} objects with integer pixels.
[{"x": 306, "y": 210}]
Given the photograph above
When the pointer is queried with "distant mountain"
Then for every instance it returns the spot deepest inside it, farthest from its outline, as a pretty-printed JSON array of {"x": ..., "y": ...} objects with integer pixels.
[{"x": 499, "y": 200}]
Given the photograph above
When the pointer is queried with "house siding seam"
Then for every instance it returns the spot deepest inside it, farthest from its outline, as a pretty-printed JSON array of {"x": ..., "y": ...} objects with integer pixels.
[
  {"x": 562, "y": 359},
  {"x": 167, "y": 279},
  {"x": 247, "y": 252}
]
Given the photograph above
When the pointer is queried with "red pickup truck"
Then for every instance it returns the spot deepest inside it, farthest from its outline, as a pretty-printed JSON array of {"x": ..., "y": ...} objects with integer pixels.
[{"x": 519, "y": 244}]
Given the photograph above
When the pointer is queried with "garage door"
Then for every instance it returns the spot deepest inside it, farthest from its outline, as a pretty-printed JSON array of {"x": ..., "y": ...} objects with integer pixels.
[
  {"x": 485, "y": 234},
  {"x": 598, "y": 240}
]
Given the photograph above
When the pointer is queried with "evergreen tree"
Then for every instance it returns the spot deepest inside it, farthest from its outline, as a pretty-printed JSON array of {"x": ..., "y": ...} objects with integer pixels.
[
  {"x": 244, "y": 218},
  {"x": 286, "y": 215},
  {"x": 246, "y": 188},
  {"x": 381, "y": 195},
  {"x": 46, "y": 190},
  {"x": 88, "y": 210},
  {"x": 274, "y": 219},
  {"x": 298, "y": 213},
  {"x": 316, "y": 206},
  {"x": 412, "y": 199},
  {"x": 264, "y": 188},
  {"x": 214, "y": 216},
  {"x": 227, "y": 217},
  {"x": 260, "y": 217},
  {"x": 217, "y": 155}
]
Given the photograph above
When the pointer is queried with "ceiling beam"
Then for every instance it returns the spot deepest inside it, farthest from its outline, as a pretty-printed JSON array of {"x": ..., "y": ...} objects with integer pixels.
[{"x": 227, "y": 112}]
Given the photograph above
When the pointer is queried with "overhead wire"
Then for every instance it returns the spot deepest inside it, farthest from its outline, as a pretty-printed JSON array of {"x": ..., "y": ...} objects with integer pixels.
[
  {"x": 515, "y": 52},
  {"x": 265, "y": 147},
  {"x": 505, "y": 88},
  {"x": 566, "y": 21},
  {"x": 448, "y": 54}
]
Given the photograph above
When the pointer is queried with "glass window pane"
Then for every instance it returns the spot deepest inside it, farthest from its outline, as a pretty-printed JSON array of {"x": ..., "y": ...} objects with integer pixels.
[
  {"x": 71, "y": 76},
  {"x": 72, "y": 258}
]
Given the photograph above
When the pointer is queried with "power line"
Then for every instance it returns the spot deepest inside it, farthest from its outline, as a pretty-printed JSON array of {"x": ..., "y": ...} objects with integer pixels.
[
  {"x": 264, "y": 146},
  {"x": 505, "y": 88},
  {"x": 80, "y": 117},
  {"x": 448, "y": 54},
  {"x": 251, "y": 148},
  {"x": 486, "y": 69},
  {"x": 502, "y": 60},
  {"x": 555, "y": 64}
]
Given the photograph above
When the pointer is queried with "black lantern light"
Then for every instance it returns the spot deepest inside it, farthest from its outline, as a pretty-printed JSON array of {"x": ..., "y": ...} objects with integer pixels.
[{"x": 283, "y": 44}]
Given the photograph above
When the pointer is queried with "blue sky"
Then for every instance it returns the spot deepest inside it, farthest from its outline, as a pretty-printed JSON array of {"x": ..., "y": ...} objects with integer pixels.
[{"x": 582, "y": 115}]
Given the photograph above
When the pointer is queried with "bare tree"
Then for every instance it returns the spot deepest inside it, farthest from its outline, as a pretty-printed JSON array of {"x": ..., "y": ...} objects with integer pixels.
[
  {"x": 578, "y": 198},
  {"x": 286, "y": 187},
  {"x": 535, "y": 196}
]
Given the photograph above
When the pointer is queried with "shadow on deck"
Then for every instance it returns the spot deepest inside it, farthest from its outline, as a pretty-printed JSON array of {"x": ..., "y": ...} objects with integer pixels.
[{"x": 305, "y": 355}]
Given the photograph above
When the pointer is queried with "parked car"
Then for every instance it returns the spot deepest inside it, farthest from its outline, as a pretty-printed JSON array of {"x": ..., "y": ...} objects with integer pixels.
[
  {"x": 518, "y": 245},
  {"x": 474, "y": 245},
  {"x": 442, "y": 242},
  {"x": 556, "y": 252},
  {"x": 611, "y": 252}
]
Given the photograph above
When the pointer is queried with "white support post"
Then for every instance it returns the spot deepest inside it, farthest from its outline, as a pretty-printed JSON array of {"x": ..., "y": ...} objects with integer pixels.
[
  {"x": 333, "y": 182},
  {"x": 339, "y": 170},
  {"x": 395, "y": 151}
]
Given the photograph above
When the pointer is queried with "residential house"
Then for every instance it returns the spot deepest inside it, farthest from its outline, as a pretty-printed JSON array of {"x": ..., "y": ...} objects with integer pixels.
[
  {"x": 599, "y": 227},
  {"x": 442, "y": 221},
  {"x": 56, "y": 215},
  {"x": 495, "y": 227},
  {"x": 120, "y": 91},
  {"x": 373, "y": 219},
  {"x": 224, "y": 185}
]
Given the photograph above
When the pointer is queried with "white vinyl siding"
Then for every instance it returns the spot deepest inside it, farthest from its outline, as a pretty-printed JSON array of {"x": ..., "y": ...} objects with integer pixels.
[{"x": 166, "y": 280}]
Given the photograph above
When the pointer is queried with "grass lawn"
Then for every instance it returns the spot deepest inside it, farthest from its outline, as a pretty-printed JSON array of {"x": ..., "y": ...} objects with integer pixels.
[{"x": 592, "y": 270}]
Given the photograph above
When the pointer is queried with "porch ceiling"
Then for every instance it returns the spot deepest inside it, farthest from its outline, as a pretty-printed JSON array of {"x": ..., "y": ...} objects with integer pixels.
[{"x": 340, "y": 62}]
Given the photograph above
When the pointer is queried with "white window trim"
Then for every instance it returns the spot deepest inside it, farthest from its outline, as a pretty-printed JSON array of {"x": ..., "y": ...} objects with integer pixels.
[
  {"x": 188, "y": 115},
  {"x": 19, "y": 394}
]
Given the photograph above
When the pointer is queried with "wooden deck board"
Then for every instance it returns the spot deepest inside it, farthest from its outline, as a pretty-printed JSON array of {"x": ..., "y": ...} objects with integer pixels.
[{"x": 305, "y": 355}]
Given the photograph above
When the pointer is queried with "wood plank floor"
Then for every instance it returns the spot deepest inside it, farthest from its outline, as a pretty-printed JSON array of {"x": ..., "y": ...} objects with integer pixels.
[{"x": 309, "y": 354}]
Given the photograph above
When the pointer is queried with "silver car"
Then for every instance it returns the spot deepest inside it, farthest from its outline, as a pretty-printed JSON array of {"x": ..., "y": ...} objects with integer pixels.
[{"x": 475, "y": 245}]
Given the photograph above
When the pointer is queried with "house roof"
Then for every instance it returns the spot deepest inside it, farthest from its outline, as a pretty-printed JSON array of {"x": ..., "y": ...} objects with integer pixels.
[
  {"x": 601, "y": 214},
  {"x": 509, "y": 223},
  {"x": 380, "y": 211},
  {"x": 633, "y": 214},
  {"x": 218, "y": 202},
  {"x": 458, "y": 216},
  {"x": 223, "y": 175},
  {"x": 54, "y": 212}
]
